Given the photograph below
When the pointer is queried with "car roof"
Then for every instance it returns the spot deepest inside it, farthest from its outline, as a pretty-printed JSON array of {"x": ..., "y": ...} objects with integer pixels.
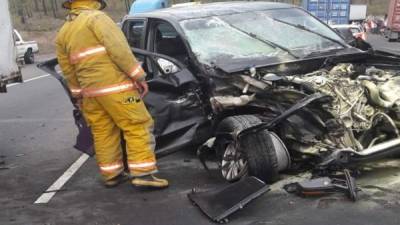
[{"x": 210, "y": 9}]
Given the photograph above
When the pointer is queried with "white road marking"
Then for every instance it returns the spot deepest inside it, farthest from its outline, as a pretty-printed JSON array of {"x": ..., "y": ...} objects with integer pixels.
[
  {"x": 56, "y": 186},
  {"x": 32, "y": 79}
]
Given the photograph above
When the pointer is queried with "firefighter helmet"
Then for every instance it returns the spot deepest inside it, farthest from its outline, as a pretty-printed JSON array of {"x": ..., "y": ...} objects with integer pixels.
[{"x": 67, "y": 4}]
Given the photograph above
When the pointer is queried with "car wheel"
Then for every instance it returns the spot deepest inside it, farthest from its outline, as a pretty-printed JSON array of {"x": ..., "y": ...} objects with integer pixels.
[
  {"x": 260, "y": 155},
  {"x": 29, "y": 57}
]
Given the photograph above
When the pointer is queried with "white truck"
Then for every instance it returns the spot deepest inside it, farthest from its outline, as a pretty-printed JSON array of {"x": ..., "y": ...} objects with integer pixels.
[
  {"x": 26, "y": 50},
  {"x": 9, "y": 70}
]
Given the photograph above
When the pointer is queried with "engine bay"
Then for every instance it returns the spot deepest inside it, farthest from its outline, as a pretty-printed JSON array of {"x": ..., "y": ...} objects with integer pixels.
[{"x": 361, "y": 108}]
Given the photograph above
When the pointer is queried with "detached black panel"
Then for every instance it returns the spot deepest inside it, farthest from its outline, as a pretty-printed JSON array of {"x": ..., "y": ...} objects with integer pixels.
[{"x": 219, "y": 204}]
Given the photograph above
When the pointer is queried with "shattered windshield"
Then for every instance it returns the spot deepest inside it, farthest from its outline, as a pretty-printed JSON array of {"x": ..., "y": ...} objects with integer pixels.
[
  {"x": 205, "y": 36},
  {"x": 283, "y": 33}
]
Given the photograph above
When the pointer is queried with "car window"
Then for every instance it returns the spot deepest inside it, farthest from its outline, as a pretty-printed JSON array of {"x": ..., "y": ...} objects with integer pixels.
[
  {"x": 264, "y": 25},
  {"x": 168, "y": 42},
  {"x": 166, "y": 30},
  {"x": 135, "y": 33},
  {"x": 257, "y": 35},
  {"x": 205, "y": 35}
]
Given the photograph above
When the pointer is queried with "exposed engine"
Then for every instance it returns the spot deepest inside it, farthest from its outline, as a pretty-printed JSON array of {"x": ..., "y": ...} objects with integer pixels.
[
  {"x": 363, "y": 110},
  {"x": 360, "y": 99}
]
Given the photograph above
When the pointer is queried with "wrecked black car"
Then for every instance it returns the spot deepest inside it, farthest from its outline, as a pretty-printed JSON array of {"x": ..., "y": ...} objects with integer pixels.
[{"x": 265, "y": 85}]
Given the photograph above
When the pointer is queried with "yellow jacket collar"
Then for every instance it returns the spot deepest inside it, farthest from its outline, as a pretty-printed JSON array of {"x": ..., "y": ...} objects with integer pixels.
[{"x": 85, "y": 4}]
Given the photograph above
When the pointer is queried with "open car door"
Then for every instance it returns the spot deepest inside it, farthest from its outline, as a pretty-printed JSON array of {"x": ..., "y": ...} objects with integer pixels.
[
  {"x": 174, "y": 100},
  {"x": 84, "y": 140}
]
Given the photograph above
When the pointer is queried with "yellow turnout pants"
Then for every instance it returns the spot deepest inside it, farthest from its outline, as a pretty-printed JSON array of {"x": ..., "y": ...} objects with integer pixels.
[{"x": 108, "y": 116}]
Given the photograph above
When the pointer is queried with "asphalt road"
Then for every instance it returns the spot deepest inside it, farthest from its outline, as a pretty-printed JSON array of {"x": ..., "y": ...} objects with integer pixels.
[
  {"x": 380, "y": 44},
  {"x": 36, "y": 138}
]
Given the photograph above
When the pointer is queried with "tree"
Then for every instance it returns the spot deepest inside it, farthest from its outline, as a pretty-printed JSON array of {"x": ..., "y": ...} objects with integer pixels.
[
  {"x": 21, "y": 11},
  {"x": 44, "y": 7},
  {"x": 127, "y": 5},
  {"x": 54, "y": 8},
  {"x": 36, "y": 5}
]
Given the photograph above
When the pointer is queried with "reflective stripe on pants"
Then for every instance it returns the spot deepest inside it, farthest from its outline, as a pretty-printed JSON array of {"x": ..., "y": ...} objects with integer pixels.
[
  {"x": 112, "y": 168},
  {"x": 107, "y": 116}
]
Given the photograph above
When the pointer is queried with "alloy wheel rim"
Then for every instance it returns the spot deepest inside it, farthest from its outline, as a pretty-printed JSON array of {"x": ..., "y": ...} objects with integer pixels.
[{"x": 234, "y": 164}]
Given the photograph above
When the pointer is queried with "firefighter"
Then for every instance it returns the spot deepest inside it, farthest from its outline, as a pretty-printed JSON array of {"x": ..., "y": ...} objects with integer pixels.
[{"x": 102, "y": 72}]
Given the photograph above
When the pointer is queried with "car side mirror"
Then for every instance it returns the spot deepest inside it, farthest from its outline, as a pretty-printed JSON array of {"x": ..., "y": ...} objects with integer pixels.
[{"x": 166, "y": 66}]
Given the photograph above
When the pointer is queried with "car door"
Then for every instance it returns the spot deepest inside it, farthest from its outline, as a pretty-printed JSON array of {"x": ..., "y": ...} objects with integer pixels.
[{"x": 175, "y": 96}]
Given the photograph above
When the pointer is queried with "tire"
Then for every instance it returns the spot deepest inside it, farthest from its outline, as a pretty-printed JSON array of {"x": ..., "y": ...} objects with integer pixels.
[
  {"x": 29, "y": 57},
  {"x": 256, "y": 150}
]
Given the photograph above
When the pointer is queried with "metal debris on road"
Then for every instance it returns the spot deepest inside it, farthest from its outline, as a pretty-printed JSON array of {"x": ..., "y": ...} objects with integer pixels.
[{"x": 344, "y": 183}]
